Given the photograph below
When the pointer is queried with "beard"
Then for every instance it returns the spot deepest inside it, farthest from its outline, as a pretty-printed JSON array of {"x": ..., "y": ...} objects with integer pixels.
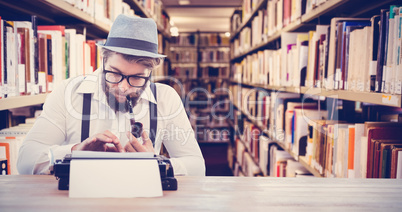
[{"x": 117, "y": 106}]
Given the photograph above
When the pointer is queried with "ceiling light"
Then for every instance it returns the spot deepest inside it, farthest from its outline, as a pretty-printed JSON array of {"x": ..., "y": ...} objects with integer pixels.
[
  {"x": 227, "y": 34},
  {"x": 174, "y": 31},
  {"x": 184, "y": 2}
]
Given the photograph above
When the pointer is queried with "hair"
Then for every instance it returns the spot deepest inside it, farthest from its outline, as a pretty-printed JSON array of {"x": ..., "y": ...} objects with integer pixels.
[{"x": 146, "y": 61}]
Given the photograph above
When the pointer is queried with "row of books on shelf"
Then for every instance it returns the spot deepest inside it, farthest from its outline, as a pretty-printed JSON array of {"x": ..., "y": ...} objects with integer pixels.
[
  {"x": 334, "y": 148},
  {"x": 268, "y": 20},
  {"x": 272, "y": 160},
  {"x": 213, "y": 39},
  {"x": 201, "y": 39},
  {"x": 278, "y": 13},
  {"x": 281, "y": 13},
  {"x": 155, "y": 9},
  {"x": 209, "y": 127},
  {"x": 185, "y": 39},
  {"x": 209, "y": 55},
  {"x": 184, "y": 55},
  {"x": 34, "y": 59},
  {"x": 10, "y": 142},
  {"x": 350, "y": 54},
  {"x": 248, "y": 6},
  {"x": 204, "y": 72},
  {"x": 106, "y": 11}
]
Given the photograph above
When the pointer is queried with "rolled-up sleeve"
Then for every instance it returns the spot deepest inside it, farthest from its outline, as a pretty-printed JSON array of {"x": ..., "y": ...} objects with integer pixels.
[{"x": 44, "y": 142}]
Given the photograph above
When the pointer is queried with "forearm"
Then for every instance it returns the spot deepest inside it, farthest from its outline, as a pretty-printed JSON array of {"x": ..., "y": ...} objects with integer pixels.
[
  {"x": 41, "y": 147},
  {"x": 35, "y": 157},
  {"x": 189, "y": 166}
]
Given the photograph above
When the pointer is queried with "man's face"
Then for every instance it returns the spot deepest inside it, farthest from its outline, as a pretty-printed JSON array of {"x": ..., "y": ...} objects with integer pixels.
[{"x": 117, "y": 93}]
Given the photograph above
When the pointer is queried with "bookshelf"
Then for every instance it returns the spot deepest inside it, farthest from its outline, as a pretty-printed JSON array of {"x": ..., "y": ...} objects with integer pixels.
[
  {"x": 85, "y": 20},
  {"x": 56, "y": 12},
  {"x": 301, "y": 159},
  {"x": 367, "y": 97},
  {"x": 22, "y": 101},
  {"x": 244, "y": 57},
  {"x": 308, "y": 20}
]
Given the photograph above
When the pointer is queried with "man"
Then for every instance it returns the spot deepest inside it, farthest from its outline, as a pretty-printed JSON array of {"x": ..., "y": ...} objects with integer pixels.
[{"x": 129, "y": 55}]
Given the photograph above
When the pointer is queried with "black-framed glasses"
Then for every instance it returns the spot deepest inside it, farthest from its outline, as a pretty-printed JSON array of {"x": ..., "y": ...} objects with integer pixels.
[{"x": 133, "y": 80}]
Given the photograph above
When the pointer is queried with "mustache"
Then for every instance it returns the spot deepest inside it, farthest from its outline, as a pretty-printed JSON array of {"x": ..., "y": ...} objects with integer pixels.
[{"x": 115, "y": 105}]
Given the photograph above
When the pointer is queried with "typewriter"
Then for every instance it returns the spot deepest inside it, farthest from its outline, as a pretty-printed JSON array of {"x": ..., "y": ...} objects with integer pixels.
[{"x": 61, "y": 170}]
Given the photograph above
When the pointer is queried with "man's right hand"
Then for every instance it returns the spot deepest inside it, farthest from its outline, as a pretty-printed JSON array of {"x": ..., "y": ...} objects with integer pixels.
[{"x": 99, "y": 142}]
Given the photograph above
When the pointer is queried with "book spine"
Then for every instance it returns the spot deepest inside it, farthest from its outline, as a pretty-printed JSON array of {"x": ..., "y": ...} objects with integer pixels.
[{"x": 34, "y": 21}]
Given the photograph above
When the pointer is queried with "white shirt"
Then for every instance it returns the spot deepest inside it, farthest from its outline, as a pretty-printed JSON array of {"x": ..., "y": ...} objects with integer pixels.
[{"x": 59, "y": 126}]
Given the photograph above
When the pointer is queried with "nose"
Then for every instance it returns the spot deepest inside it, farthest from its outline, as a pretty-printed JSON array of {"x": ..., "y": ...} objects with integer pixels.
[{"x": 124, "y": 86}]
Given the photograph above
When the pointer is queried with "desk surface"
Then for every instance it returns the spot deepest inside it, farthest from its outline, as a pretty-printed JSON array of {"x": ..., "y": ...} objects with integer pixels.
[{"x": 40, "y": 193}]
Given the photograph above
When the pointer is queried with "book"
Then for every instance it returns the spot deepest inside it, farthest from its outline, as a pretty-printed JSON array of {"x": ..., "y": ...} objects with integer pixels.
[
  {"x": 334, "y": 49},
  {"x": 394, "y": 161},
  {"x": 386, "y": 158},
  {"x": 399, "y": 166},
  {"x": 373, "y": 134},
  {"x": 382, "y": 44}
]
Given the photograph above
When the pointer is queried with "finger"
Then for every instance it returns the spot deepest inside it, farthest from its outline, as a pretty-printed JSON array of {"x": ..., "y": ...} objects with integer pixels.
[
  {"x": 128, "y": 146},
  {"x": 110, "y": 135},
  {"x": 111, "y": 149},
  {"x": 115, "y": 140},
  {"x": 147, "y": 141},
  {"x": 102, "y": 138},
  {"x": 135, "y": 144}
]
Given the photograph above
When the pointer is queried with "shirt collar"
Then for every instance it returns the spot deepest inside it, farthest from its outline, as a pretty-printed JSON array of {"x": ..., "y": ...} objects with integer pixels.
[{"x": 92, "y": 84}]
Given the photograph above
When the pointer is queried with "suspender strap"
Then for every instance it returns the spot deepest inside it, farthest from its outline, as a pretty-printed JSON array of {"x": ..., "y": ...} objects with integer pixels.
[
  {"x": 86, "y": 112},
  {"x": 153, "y": 116}
]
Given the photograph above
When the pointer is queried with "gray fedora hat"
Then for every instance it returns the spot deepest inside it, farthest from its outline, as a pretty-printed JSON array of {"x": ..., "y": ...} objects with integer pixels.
[{"x": 133, "y": 36}]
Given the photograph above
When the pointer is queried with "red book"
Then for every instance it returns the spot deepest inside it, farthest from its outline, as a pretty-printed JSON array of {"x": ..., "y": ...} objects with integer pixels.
[
  {"x": 287, "y": 7},
  {"x": 53, "y": 28},
  {"x": 92, "y": 46}
]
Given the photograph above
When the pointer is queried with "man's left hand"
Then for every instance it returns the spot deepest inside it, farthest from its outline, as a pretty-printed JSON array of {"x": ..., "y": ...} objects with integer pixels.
[{"x": 136, "y": 146}]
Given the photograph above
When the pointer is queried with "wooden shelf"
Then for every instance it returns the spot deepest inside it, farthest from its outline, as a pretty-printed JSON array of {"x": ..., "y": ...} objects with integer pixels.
[
  {"x": 214, "y": 64},
  {"x": 183, "y": 63},
  {"x": 21, "y": 101},
  {"x": 393, "y": 100},
  {"x": 213, "y": 47},
  {"x": 178, "y": 46}
]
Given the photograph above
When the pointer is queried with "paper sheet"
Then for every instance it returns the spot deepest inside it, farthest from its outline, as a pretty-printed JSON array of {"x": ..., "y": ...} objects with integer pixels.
[{"x": 118, "y": 178}]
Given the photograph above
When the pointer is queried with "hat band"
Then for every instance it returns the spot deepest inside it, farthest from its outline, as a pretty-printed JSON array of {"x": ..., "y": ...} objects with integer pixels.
[{"x": 130, "y": 43}]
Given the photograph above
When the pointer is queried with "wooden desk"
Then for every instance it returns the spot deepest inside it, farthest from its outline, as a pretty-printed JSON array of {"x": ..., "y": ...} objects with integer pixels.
[{"x": 39, "y": 193}]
